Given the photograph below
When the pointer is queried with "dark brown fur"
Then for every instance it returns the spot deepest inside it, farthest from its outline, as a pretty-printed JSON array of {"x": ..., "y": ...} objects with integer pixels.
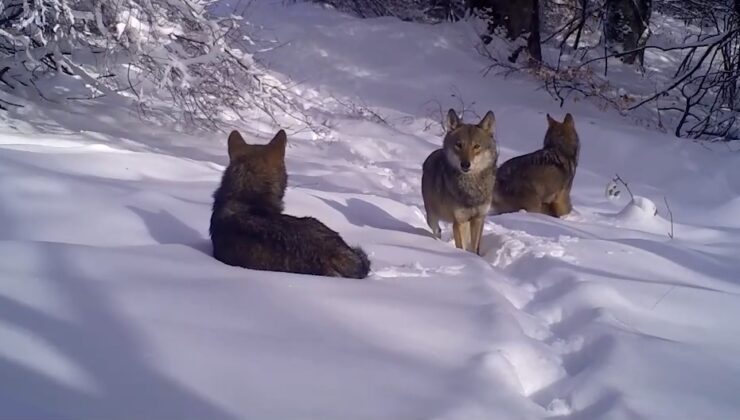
[
  {"x": 249, "y": 230},
  {"x": 540, "y": 182}
]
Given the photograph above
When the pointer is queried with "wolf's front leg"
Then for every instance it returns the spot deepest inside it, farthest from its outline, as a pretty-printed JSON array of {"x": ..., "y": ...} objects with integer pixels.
[
  {"x": 476, "y": 232},
  {"x": 458, "y": 235},
  {"x": 461, "y": 231}
]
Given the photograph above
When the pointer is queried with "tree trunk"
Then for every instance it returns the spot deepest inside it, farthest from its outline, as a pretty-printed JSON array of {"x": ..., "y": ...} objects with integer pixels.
[
  {"x": 627, "y": 27},
  {"x": 515, "y": 16},
  {"x": 582, "y": 23},
  {"x": 533, "y": 41}
]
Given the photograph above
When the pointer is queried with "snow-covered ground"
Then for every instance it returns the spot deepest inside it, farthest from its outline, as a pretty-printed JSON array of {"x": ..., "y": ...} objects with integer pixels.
[{"x": 112, "y": 307}]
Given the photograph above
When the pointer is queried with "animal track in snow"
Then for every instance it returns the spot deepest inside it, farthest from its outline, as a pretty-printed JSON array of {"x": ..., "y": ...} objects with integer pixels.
[
  {"x": 415, "y": 270},
  {"x": 512, "y": 245},
  {"x": 556, "y": 350}
]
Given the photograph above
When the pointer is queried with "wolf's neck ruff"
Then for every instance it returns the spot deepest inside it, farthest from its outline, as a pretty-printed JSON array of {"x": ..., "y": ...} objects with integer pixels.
[
  {"x": 238, "y": 184},
  {"x": 469, "y": 188}
]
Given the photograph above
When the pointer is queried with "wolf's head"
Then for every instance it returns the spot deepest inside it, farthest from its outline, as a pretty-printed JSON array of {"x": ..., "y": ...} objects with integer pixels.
[
  {"x": 562, "y": 137},
  {"x": 470, "y": 148},
  {"x": 256, "y": 173}
]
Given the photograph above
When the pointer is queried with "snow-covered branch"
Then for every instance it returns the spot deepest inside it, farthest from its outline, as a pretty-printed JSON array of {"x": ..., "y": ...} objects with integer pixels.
[{"x": 141, "y": 50}]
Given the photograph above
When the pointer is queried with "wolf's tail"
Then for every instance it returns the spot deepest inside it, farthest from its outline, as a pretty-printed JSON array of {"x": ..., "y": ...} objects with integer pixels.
[
  {"x": 496, "y": 203},
  {"x": 354, "y": 264}
]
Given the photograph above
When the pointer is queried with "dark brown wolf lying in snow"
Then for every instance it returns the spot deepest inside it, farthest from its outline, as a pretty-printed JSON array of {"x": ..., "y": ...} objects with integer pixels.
[{"x": 249, "y": 230}]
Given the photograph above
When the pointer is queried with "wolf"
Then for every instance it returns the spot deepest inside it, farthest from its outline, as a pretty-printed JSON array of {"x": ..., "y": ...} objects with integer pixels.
[
  {"x": 248, "y": 227},
  {"x": 457, "y": 180},
  {"x": 540, "y": 182}
]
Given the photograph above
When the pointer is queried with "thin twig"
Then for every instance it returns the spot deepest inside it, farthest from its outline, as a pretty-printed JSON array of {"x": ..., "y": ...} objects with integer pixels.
[
  {"x": 660, "y": 299},
  {"x": 670, "y": 214},
  {"x": 619, "y": 179}
]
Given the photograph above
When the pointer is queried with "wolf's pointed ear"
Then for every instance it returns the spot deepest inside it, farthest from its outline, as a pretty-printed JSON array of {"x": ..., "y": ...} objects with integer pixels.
[
  {"x": 569, "y": 121},
  {"x": 550, "y": 121},
  {"x": 237, "y": 145},
  {"x": 488, "y": 121},
  {"x": 278, "y": 143},
  {"x": 453, "y": 121}
]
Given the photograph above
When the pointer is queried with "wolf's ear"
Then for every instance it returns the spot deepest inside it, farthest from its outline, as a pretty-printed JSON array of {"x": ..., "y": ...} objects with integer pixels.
[
  {"x": 569, "y": 121},
  {"x": 237, "y": 145},
  {"x": 453, "y": 121},
  {"x": 278, "y": 143},
  {"x": 550, "y": 121},
  {"x": 488, "y": 121}
]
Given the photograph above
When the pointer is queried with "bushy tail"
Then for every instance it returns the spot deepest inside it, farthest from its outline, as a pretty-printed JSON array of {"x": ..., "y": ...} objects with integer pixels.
[{"x": 353, "y": 264}]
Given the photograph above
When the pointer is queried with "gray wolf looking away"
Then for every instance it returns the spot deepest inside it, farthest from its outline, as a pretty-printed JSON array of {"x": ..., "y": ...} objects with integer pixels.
[{"x": 540, "y": 182}]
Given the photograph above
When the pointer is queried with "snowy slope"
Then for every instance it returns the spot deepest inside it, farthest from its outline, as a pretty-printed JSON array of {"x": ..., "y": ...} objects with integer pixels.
[{"x": 111, "y": 306}]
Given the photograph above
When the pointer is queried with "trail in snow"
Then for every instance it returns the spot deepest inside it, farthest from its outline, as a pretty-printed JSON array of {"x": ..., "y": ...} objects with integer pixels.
[{"x": 593, "y": 289}]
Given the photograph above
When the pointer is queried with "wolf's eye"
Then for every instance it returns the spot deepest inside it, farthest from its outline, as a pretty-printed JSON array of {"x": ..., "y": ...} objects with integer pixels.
[
  {"x": 476, "y": 146},
  {"x": 458, "y": 145}
]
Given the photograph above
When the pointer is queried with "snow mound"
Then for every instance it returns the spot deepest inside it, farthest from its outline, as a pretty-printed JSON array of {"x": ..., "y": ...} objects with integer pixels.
[{"x": 639, "y": 209}]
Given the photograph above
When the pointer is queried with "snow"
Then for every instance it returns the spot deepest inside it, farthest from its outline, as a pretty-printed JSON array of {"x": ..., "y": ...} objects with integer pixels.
[{"x": 112, "y": 307}]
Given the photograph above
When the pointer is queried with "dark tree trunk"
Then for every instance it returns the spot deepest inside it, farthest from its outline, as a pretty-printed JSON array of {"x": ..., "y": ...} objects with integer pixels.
[
  {"x": 582, "y": 23},
  {"x": 514, "y": 16},
  {"x": 627, "y": 27},
  {"x": 533, "y": 41},
  {"x": 517, "y": 18}
]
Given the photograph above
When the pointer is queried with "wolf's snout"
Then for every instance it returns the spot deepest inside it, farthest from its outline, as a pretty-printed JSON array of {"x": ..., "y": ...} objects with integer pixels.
[{"x": 465, "y": 166}]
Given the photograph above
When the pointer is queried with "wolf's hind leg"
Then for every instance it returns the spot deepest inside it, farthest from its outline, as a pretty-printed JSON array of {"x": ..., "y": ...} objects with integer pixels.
[
  {"x": 433, "y": 222},
  {"x": 561, "y": 205}
]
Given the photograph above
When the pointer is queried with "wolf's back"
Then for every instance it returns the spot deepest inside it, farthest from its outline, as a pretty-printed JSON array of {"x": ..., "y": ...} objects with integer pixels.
[{"x": 279, "y": 242}]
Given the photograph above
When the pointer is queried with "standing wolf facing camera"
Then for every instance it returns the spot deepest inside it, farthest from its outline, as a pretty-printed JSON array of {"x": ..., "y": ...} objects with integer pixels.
[
  {"x": 249, "y": 229},
  {"x": 457, "y": 180},
  {"x": 540, "y": 182}
]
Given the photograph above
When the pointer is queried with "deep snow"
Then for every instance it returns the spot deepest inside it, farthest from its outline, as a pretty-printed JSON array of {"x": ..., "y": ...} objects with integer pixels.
[{"x": 111, "y": 306}]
